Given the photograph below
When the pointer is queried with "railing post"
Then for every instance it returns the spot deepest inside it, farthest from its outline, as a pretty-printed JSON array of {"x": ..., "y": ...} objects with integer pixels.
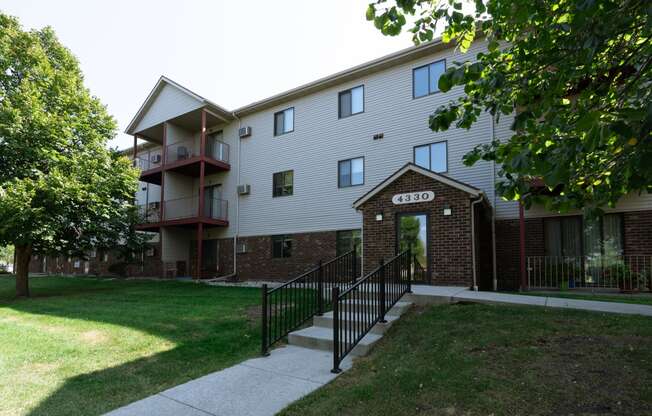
[
  {"x": 320, "y": 289},
  {"x": 336, "y": 330},
  {"x": 410, "y": 271},
  {"x": 382, "y": 291},
  {"x": 265, "y": 319},
  {"x": 355, "y": 263}
]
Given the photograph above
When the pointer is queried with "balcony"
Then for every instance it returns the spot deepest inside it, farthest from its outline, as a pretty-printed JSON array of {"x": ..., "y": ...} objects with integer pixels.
[
  {"x": 185, "y": 212},
  {"x": 150, "y": 164},
  {"x": 184, "y": 157}
]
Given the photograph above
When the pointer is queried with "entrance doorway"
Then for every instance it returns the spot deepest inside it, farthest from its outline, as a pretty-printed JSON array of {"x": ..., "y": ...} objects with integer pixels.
[
  {"x": 213, "y": 201},
  {"x": 412, "y": 233}
]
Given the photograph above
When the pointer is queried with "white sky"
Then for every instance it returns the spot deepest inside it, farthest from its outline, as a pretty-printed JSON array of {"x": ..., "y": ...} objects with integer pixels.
[{"x": 231, "y": 52}]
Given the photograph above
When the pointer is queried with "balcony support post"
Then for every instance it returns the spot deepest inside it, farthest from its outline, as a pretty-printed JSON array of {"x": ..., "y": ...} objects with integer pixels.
[
  {"x": 164, "y": 151},
  {"x": 200, "y": 232},
  {"x": 135, "y": 149},
  {"x": 202, "y": 140},
  {"x": 521, "y": 235}
]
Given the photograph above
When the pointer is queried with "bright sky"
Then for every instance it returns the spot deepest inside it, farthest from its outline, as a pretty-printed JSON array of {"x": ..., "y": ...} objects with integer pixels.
[{"x": 231, "y": 52}]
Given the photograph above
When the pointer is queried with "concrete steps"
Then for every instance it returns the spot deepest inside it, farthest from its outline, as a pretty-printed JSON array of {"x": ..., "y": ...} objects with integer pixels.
[{"x": 320, "y": 335}]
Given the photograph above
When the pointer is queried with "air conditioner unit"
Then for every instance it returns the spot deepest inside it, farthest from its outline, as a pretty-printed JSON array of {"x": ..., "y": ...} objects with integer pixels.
[
  {"x": 156, "y": 158},
  {"x": 244, "y": 132},
  {"x": 241, "y": 248},
  {"x": 244, "y": 189}
]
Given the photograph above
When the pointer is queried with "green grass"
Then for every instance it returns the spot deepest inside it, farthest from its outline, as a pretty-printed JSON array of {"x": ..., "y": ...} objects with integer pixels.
[
  {"x": 642, "y": 299},
  {"x": 471, "y": 359},
  {"x": 86, "y": 346}
]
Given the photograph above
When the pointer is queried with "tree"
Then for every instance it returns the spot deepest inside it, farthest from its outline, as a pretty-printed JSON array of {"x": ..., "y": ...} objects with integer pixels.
[
  {"x": 61, "y": 189},
  {"x": 577, "y": 74}
]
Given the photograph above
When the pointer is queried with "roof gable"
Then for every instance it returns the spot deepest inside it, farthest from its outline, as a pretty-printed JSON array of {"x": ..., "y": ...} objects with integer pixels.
[{"x": 472, "y": 191}]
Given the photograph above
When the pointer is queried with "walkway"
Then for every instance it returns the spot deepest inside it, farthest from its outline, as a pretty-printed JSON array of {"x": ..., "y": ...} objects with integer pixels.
[{"x": 263, "y": 386}]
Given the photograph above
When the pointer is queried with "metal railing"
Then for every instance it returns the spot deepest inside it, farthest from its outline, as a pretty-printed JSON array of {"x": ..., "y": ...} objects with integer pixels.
[
  {"x": 188, "y": 149},
  {"x": 151, "y": 159},
  {"x": 182, "y": 150},
  {"x": 354, "y": 311},
  {"x": 149, "y": 214},
  {"x": 627, "y": 273},
  {"x": 187, "y": 207},
  {"x": 288, "y": 306}
]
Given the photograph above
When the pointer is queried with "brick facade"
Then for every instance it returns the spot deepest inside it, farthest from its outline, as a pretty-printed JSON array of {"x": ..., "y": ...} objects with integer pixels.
[
  {"x": 257, "y": 262},
  {"x": 508, "y": 249},
  {"x": 637, "y": 226},
  {"x": 449, "y": 237}
]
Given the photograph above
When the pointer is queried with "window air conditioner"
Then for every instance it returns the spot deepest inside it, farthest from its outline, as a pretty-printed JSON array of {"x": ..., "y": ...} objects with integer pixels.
[
  {"x": 244, "y": 189},
  {"x": 244, "y": 132}
]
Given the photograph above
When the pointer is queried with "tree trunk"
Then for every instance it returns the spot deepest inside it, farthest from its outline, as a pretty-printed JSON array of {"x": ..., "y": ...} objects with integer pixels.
[{"x": 23, "y": 255}]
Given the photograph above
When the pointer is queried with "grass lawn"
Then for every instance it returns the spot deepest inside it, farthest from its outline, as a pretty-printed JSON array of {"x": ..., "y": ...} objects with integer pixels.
[
  {"x": 86, "y": 346},
  {"x": 471, "y": 359},
  {"x": 643, "y": 299}
]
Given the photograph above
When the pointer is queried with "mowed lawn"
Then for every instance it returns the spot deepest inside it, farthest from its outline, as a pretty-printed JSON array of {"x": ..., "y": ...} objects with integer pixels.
[
  {"x": 636, "y": 298},
  {"x": 83, "y": 346},
  {"x": 471, "y": 359}
]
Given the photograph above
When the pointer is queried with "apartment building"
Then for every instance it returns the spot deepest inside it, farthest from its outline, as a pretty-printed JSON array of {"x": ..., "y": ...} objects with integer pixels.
[{"x": 268, "y": 190}]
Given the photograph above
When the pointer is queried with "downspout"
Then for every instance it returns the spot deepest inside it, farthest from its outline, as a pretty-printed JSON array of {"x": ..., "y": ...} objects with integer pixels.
[
  {"x": 237, "y": 203},
  {"x": 494, "y": 268},
  {"x": 473, "y": 251}
]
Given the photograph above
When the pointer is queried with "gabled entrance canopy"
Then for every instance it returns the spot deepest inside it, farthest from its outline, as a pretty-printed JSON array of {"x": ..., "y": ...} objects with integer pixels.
[{"x": 472, "y": 191}]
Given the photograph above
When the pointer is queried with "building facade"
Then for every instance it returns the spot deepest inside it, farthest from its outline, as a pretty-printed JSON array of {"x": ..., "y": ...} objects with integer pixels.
[{"x": 268, "y": 190}]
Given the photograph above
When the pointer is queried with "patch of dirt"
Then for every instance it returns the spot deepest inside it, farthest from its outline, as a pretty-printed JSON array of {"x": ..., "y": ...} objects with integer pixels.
[
  {"x": 94, "y": 337},
  {"x": 578, "y": 375}
]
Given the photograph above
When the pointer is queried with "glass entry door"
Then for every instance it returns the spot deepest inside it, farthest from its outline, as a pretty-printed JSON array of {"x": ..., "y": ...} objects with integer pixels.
[
  {"x": 412, "y": 232},
  {"x": 213, "y": 201}
]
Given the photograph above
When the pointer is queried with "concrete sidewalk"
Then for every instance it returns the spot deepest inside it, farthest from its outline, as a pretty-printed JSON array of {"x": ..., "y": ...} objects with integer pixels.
[
  {"x": 257, "y": 387},
  {"x": 437, "y": 294}
]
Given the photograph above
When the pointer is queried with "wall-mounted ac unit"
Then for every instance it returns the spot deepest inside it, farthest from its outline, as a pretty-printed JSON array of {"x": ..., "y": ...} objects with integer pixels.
[
  {"x": 244, "y": 132},
  {"x": 241, "y": 248},
  {"x": 244, "y": 189},
  {"x": 156, "y": 158}
]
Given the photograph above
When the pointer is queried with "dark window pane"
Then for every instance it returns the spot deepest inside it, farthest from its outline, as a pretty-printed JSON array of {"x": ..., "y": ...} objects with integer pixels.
[
  {"x": 420, "y": 81},
  {"x": 438, "y": 157},
  {"x": 436, "y": 70},
  {"x": 345, "y": 104},
  {"x": 287, "y": 247},
  {"x": 357, "y": 171},
  {"x": 552, "y": 237},
  {"x": 357, "y": 100},
  {"x": 571, "y": 230},
  {"x": 278, "y": 123},
  {"x": 422, "y": 156},
  {"x": 277, "y": 247},
  {"x": 613, "y": 235},
  {"x": 283, "y": 183},
  {"x": 346, "y": 240},
  {"x": 345, "y": 173}
]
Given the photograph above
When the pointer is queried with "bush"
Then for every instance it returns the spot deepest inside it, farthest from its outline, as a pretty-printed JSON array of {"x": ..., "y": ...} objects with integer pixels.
[{"x": 119, "y": 268}]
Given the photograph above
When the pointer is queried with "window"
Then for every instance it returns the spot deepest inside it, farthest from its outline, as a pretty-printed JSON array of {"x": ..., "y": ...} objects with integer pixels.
[
  {"x": 284, "y": 121},
  {"x": 281, "y": 246},
  {"x": 425, "y": 79},
  {"x": 351, "y": 102},
  {"x": 570, "y": 236},
  {"x": 350, "y": 172},
  {"x": 432, "y": 156},
  {"x": 283, "y": 183},
  {"x": 346, "y": 240}
]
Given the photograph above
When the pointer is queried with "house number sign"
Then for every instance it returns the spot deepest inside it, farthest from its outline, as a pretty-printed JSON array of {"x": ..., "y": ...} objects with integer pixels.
[{"x": 413, "y": 197}]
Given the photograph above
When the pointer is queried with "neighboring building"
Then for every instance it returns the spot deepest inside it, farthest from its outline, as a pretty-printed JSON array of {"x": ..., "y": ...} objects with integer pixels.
[{"x": 269, "y": 189}]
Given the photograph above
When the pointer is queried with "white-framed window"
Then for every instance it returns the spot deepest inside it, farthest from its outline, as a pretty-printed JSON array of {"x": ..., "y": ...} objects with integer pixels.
[
  {"x": 433, "y": 156},
  {"x": 351, "y": 102},
  {"x": 284, "y": 121}
]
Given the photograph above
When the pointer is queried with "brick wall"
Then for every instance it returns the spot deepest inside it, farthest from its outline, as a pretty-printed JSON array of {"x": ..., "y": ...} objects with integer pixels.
[
  {"x": 638, "y": 233},
  {"x": 257, "y": 262},
  {"x": 449, "y": 236},
  {"x": 508, "y": 249}
]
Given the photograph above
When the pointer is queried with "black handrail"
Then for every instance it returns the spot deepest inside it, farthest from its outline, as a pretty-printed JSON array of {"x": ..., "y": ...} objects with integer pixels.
[
  {"x": 288, "y": 306},
  {"x": 354, "y": 316}
]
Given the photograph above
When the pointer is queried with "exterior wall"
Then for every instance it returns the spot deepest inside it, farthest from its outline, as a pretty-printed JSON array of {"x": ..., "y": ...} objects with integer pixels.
[
  {"x": 257, "y": 262},
  {"x": 449, "y": 236},
  {"x": 508, "y": 249},
  {"x": 638, "y": 233},
  {"x": 170, "y": 103}
]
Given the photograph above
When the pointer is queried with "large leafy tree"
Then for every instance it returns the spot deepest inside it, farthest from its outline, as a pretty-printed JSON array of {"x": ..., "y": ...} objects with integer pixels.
[
  {"x": 577, "y": 76},
  {"x": 61, "y": 188}
]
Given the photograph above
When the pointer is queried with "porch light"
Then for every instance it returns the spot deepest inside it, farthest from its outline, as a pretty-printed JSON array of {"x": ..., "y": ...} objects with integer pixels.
[
  {"x": 447, "y": 210},
  {"x": 379, "y": 216}
]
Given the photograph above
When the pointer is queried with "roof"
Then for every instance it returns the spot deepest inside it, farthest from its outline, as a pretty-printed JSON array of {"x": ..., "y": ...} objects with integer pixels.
[
  {"x": 162, "y": 81},
  {"x": 396, "y": 58},
  {"x": 446, "y": 180}
]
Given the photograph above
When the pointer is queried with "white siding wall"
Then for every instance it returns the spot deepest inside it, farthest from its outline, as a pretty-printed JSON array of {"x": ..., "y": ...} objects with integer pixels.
[
  {"x": 320, "y": 140},
  {"x": 169, "y": 103}
]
